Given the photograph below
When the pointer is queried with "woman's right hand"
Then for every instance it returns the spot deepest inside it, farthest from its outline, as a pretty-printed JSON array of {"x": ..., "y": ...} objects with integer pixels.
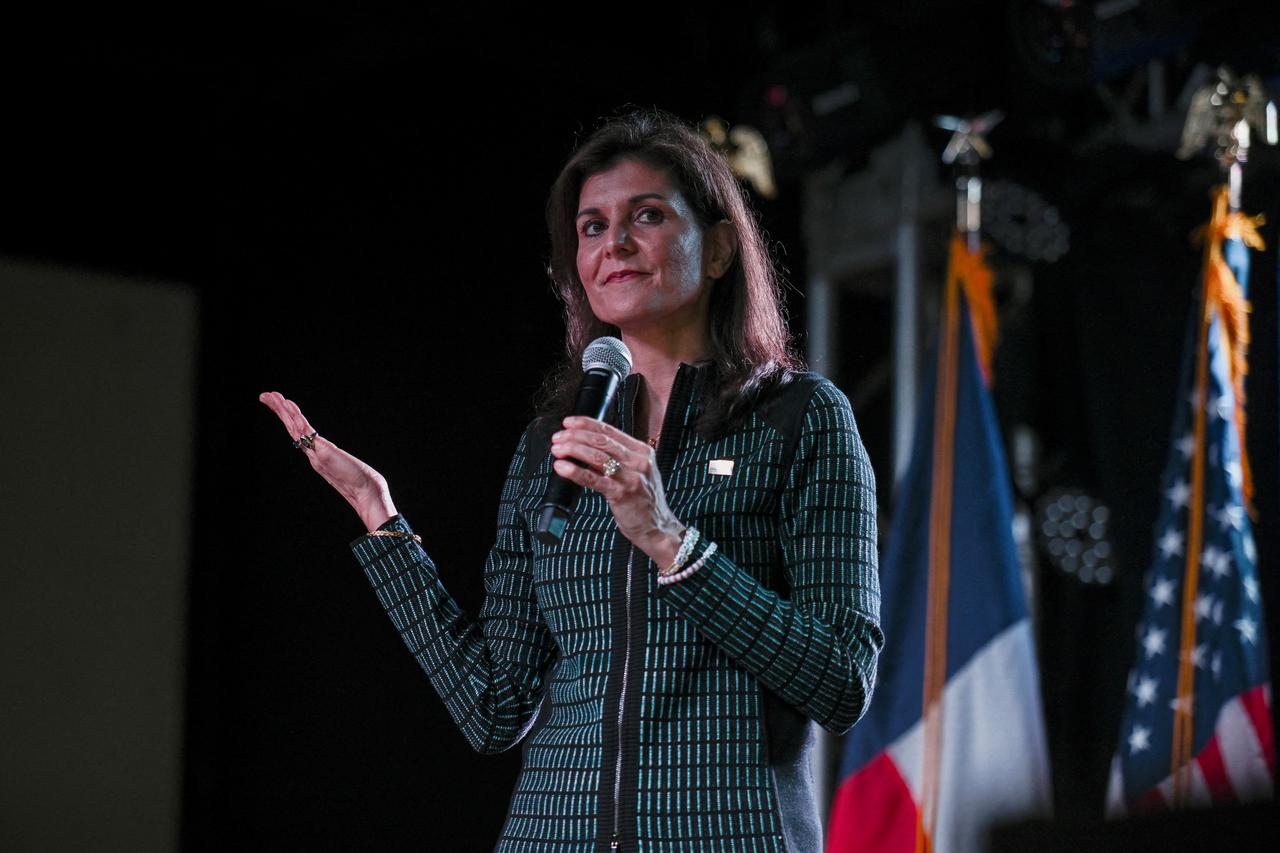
[{"x": 364, "y": 488}]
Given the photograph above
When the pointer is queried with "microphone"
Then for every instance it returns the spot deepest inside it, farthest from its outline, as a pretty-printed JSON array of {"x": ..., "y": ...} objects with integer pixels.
[{"x": 605, "y": 363}]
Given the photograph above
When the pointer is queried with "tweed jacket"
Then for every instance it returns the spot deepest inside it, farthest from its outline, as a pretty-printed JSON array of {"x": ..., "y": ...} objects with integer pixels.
[{"x": 665, "y": 717}]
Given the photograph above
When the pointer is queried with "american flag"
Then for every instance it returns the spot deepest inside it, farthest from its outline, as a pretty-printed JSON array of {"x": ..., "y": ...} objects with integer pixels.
[{"x": 1197, "y": 726}]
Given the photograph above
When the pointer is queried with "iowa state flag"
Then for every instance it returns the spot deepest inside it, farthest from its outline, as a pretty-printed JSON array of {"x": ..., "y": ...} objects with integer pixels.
[
  {"x": 1197, "y": 726},
  {"x": 954, "y": 738}
]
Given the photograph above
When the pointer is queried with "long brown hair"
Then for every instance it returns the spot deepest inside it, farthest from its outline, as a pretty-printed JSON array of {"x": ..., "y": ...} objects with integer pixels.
[{"x": 748, "y": 339}]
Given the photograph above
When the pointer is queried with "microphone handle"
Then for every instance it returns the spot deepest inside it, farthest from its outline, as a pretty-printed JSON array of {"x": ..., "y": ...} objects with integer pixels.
[{"x": 595, "y": 395}]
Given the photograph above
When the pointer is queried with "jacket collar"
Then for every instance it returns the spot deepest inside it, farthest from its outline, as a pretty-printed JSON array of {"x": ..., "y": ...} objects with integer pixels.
[{"x": 683, "y": 408}]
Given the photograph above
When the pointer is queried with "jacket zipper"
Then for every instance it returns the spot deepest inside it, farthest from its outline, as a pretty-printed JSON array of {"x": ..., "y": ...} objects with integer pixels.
[
  {"x": 666, "y": 445},
  {"x": 622, "y": 701}
]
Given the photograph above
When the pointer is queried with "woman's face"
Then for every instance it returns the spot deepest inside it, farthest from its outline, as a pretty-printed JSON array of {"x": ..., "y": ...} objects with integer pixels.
[{"x": 643, "y": 258}]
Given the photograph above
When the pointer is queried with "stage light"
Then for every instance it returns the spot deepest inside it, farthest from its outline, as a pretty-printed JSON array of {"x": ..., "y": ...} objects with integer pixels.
[
  {"x": 1020, "y": 221},
  {"x": 1072, "y": 529}
]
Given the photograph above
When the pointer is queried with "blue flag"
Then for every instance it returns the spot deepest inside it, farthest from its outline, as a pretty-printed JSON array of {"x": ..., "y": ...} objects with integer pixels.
[{"x": 954, "y": 740}]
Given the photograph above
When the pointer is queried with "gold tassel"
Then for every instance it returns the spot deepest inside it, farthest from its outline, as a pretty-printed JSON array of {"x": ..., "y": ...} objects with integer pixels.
[
  {"x": 975, "y": 277},
  {"x": 1225, "y": 295}
]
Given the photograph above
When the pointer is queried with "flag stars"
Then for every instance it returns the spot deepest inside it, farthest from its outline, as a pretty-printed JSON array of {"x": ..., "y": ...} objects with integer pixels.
[
  {"x": 1220, "y": 405},
  {"x": 1230, "y": 517},
  {"x": 1251, "y": 588},
  {"x": 1204, "y": 606},
  {"x": 1162, "y": 592},
  {"x": 1170, "y": 543},
  {"x": 1153, "y": 642},
  {"x": 1139, "y": 739},
  {"x": 1216, "y": 562},
  {"x": 1179, "y": 494},
  {"x": 1205, "y": 529},
  {"x": 1146, "y": 691},
  {"x": 1248, "y": 629}
]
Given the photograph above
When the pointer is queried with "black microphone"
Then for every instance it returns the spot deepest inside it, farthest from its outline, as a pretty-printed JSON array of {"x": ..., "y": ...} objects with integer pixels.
[{"x": 605, "y": 363}]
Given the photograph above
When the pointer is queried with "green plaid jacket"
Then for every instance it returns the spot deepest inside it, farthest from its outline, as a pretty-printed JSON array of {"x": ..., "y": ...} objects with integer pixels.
[{"x": 665, "y": 718}]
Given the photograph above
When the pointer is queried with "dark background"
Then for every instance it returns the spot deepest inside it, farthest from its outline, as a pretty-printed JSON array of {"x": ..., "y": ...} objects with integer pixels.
[{"x": 357, "y": 196}]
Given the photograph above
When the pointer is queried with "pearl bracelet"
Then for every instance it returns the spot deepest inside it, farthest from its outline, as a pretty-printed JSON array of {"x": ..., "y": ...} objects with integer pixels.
[
  {"x": 665, "y": 580},
  {"x": 687, "y": 544}
]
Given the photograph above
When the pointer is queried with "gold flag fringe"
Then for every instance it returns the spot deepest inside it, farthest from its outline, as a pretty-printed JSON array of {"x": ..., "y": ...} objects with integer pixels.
[
  {"x": 1223, "y": 293},
  {"x": 970, "y": 270}
]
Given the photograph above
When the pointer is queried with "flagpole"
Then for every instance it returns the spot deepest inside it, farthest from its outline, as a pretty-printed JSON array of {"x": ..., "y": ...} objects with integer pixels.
[{"x": 967, "y": 148}]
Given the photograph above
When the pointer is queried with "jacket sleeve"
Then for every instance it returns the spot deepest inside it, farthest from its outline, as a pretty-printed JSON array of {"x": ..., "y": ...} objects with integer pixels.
[
  {"x": 817, "y": 649},
  {"x": 489, "y": 671}
]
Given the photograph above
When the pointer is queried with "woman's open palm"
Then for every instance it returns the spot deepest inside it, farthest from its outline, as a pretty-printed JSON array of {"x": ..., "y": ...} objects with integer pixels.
[{"x": 362, "y": 487}]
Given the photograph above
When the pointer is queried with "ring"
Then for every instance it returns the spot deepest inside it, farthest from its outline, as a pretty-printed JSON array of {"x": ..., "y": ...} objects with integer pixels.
[
  {"x": 305, "y": 441},
  {"x": 611, "y": 467}
]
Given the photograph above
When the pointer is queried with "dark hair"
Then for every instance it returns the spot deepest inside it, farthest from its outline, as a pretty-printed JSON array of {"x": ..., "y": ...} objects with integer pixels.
[{"x": 748, "y": 339}]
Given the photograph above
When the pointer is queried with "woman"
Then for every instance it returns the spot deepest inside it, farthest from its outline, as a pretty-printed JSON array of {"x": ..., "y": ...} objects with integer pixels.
[{"x": 716, "y": 589}]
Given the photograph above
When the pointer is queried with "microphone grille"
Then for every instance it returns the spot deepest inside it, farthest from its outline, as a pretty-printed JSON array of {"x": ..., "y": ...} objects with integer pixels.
[{"x": 609, "y": 354}]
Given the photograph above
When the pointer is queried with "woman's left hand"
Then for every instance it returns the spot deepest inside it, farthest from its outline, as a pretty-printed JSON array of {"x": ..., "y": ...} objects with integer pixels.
[{"x": 634, "y": 492}]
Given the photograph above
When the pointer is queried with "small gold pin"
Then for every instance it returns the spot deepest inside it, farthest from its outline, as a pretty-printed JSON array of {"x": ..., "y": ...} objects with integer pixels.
[{"x": 720, "y": 467}]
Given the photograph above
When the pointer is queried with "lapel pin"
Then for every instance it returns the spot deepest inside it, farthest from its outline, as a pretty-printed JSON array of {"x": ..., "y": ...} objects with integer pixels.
[{"x": 720, "y": 467}]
